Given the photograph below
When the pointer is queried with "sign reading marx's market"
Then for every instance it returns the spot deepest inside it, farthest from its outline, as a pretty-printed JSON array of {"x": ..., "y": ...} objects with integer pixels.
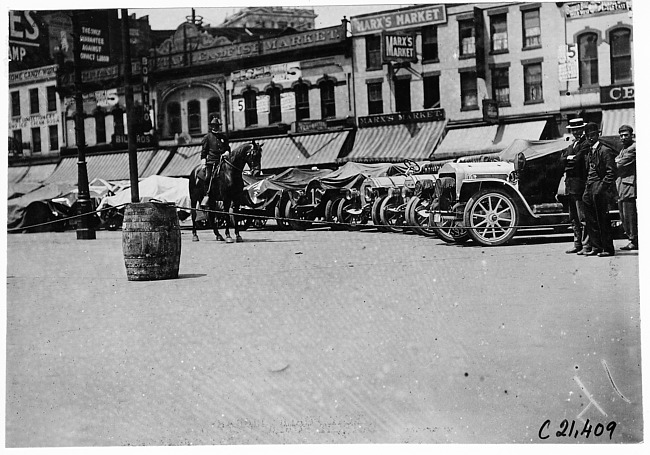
[
  {"x": 399, "y": 47},
  {"x": 431, "y": 115},
  {"x": 398, "y": 19}
]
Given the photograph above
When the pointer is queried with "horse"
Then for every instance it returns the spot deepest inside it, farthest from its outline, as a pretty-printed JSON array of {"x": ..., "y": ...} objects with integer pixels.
[{"x": 227, "y": 186}]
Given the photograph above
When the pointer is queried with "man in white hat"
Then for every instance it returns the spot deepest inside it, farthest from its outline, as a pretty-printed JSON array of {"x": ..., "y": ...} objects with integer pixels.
[{"x": 575, "y": 169}]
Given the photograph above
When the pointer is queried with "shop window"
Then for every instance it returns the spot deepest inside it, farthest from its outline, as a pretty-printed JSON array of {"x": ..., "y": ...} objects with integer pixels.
[
  {"x": 250, "y": 107},
  {"x": 214, "y": 108},
  {"x": 466, "y": 38},
  {"x": 403, "y": 95},
  {"x": 588, "y": 58},
  {"x": 118, "y": 121},
  {"x": 54, "y": 137},
  {"x": 100, "y": 127},
  {"x": 375, "y": 100},
  {"x": 327, "y": 102},
  {"x": 174, "y": 123},
  {"x": 373, "y": 52},
  {"x": 36, "y": 140},
  {"x": 302, "y": 101},
  {"x": 275, "y": 112},
  {"x": 620, "y": 55},
  {"x": 51, "y": 99},
  {"x": 468, "y": 91},
  {"x": 501, "y": 86},
  {"x": 15, "y": 104},
  {"x": 194, "y": 116},
  {"x": 431, "y": 91},
  {"x": 430, "y": 43},
  {"x": 33, "y": 101},
  {"x": 533, "y": 83},
  {"x": 532, "y": 28},
  {"x": 499, "y": 33}
]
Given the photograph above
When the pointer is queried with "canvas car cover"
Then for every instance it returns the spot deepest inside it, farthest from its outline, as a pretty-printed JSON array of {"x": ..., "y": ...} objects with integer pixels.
[
  {"x": 532, "y": 149},
  {"x": 18, "y": 207},
  {"x": 165, "y": 189}
]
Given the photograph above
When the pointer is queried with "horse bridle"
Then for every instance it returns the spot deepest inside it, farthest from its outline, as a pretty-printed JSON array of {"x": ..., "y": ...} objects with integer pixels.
[{"x": 230, "y": 162}]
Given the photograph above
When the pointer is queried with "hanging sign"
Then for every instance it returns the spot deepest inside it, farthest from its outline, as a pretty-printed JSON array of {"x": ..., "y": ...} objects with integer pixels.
[
  {"x": 144, "y": 74},
  {"x": 399, "y": 47},
  {"x": 567, "y": 58}
]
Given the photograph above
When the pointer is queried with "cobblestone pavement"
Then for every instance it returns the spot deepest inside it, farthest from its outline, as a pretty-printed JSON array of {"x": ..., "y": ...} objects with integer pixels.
[{"x": 320, "y": 337}]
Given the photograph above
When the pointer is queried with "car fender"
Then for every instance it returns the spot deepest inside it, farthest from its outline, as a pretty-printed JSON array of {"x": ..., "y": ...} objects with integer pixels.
[{"x": 471, "y": 187}]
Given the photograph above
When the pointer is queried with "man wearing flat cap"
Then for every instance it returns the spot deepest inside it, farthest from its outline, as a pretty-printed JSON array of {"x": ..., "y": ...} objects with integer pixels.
[
  {"x": 573, "y": 159},
  {"x": 626, "y": 186},
  {"x": 601, "y": 173}
]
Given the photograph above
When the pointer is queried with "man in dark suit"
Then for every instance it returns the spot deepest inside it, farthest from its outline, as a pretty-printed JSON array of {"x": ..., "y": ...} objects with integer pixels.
[
  {"x": 601, "y": 173},
  {"x": 574, "y": 161},
  {"x": 626, "y": 186}
]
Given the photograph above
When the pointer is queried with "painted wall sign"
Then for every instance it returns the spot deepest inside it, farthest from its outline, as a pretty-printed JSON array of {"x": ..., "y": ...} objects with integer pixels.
[
  {"x": 581, "y": 9},
  {"x": 34, "y": 121},
  {"x": 402, "y": 117},
  {"x": 617, "y": 94},
  {"x": 398, "y": 19},
  {"x": 36, "y": 75},
  {"x": 305, "y": 126},
  {"x": 399, "y": 47},
  {"x": 283, "y": 72}
]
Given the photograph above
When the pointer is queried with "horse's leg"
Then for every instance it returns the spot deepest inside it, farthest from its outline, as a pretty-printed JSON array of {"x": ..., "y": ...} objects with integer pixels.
[
  {"x": 235, "y": 211},
  {"x": 195, "y": 237},
  {"x": 212, "y": 204},
  {"x": 226, "y": 209}
]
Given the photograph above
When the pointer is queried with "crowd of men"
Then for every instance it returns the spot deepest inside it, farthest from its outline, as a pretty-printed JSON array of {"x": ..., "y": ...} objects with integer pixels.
[{"x": 594, "y": 175}]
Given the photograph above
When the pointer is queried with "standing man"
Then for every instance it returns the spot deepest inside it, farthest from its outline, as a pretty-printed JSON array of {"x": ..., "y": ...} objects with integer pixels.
[
  {"x": 601, "y": 172},
  {"x": 213, "y": 147},
  {"x": 575, "y": 169},
  {"x": 626, "y": 186}
]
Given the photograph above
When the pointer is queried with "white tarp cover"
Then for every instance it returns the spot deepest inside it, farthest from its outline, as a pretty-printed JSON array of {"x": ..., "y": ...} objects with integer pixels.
[{"x": 165, "y": 189}]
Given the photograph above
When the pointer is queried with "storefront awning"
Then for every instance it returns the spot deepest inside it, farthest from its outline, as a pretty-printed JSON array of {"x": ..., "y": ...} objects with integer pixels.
[
  {"x": 390, "y": 143},
  {"x": 300, "y": 150},
  {"x": 110, "y": 167},
  {"x": 486, "y": 139},
  {"x": 157, "y": 160},
  {"x": 614, "y": 118},
  {"x": 185, "y": 158},
  {"x": 16, "y": 173}
]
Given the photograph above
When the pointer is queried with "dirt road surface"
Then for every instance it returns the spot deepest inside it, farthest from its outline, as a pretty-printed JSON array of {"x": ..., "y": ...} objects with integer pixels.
[{"x": 321, "y": 337}]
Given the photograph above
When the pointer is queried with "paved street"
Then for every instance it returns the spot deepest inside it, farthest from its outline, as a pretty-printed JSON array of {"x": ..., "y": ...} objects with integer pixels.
[{"x": 320, "y": 337}]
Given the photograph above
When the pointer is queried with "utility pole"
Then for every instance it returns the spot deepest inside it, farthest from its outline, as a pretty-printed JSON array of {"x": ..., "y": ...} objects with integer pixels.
[
  {"x": 130, "y": 121},
  {"x": 84, "y": 229}
]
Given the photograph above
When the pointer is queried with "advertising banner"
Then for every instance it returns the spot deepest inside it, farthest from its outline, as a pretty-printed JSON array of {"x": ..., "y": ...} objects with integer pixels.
[
  {"x": 287, "y": 102},
  {"x": 567, "y": 58}
]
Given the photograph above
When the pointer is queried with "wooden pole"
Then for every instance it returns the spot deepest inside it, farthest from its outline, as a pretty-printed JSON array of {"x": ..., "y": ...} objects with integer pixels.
[{"x": 130, "y": 121}]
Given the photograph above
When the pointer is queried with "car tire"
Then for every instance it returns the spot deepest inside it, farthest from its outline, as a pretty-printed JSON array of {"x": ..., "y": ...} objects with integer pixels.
[
  {"x": 450, "y": 231},
  {"x": 492, "y": 217},
  {"x": 343, "y": 216},
  {"x": 390, "y": 218},
  {"x": 413, "y": 217},
  {"x": 375, "y": 213},
  {"x": 279, "y": 216},
  {"x": 294, "y": 222}
]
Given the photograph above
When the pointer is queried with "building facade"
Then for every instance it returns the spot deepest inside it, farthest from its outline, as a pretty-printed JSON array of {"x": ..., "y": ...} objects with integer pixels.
[{"x": 272, "y": 17}]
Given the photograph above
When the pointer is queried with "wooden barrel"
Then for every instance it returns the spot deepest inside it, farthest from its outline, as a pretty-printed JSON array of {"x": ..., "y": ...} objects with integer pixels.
[{"x": 151, "y": 241}]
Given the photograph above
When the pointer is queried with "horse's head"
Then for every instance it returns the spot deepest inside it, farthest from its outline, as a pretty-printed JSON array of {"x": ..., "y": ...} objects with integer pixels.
[{"x": 254, "y": 158}]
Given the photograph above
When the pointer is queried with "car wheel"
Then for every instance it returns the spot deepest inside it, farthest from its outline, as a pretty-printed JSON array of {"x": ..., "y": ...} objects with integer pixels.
[
  {"x": 390, "y": 214},
  {"x": 375, "y": 213},
  {"x": 348, "y": 218},
  {"x": 492, "y": 217},
  {"x": 294, "y": 221},
  {"x": 416, "y": 217},
  {"x": 447, "y": 230},
  {"x": 331, "y": 213}
]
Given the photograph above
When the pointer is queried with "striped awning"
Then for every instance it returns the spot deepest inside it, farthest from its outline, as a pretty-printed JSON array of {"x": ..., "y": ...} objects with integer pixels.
[
  {"x": 531, "y": 131},
  {"x": 109, "y": 166},
  {"x": 16, "y": 173},
  {"x": 467, "y": 141},
  {"x": 300, "y": 149},
  {"x": 183, "y": 160},
  {"x": 614, "y": 118},
  {"x": 389, "y": 143},
  {"x": 157, "y": 160}
]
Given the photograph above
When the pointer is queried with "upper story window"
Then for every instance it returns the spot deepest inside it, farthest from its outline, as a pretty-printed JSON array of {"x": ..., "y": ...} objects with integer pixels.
[
  {"x": 33, "y": 101},
  {"x": 431, "y": 86},
  {"x": 54, "y": 137},
  {"x": 620, "y": 55},
  {"x": 588, "y": 58},
  {"x": 533, "y": 92},
  {"x": 250, "y": 107},
  {"x": 214, "y": 108},
  {"x": 194, "y": 116},
  {"x": 51, "y": 98},
  {"x": 100, "y": 127},
  {"x": 373, "y": 52},
  {"x": 15, "y": 104},
  {"x": 532, "y": 28},
  {"x": 468, "y": 91},
  {"x": 36, "y": 140},
  {"x": 501, "y": 86},
  {"x": 499, "y": 33},
  {"x": 174, "y": 123},
  {"x": 327, "y": 101},
  {"x": 302, "y": 101},
  {"x": 402, "y": 95},
  {"x": 275, "y": 111},
  {"x": 466, "y": 38},
  {"x": 430, "y": 43},
  {"x": 375, "y": 99}
]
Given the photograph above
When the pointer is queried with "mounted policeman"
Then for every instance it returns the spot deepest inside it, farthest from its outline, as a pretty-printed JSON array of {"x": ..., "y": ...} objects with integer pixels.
[{"x": 213, "y": 147}]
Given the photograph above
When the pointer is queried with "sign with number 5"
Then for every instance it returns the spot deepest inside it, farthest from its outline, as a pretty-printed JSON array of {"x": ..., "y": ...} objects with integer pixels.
[{"x": 238, "y": 105}]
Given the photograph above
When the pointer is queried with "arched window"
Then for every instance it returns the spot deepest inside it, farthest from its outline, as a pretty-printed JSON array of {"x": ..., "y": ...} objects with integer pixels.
[
  {"x": 302, "y": 101},
  {"x": 588, "y": 57},
  {"x": 620, "y": 55},
  {"x": 174, "y": 124},
  {"x": 327, "y": 102},
  {"x": 194, "y": 116},
  {"x": 118, "y": 121},
  {"x": 250, "y": 107},
  {"x": 100, "y": 127},
  {"x": 214, "y": 108},
  {"x": 275, "y": 113}
]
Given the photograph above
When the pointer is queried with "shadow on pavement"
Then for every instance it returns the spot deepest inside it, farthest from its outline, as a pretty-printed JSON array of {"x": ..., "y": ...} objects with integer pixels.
[{"x": 182, "y": 276}]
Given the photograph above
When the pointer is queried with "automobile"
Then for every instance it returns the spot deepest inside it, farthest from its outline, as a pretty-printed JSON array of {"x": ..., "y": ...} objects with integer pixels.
[{"x": 491, "y": 198}]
